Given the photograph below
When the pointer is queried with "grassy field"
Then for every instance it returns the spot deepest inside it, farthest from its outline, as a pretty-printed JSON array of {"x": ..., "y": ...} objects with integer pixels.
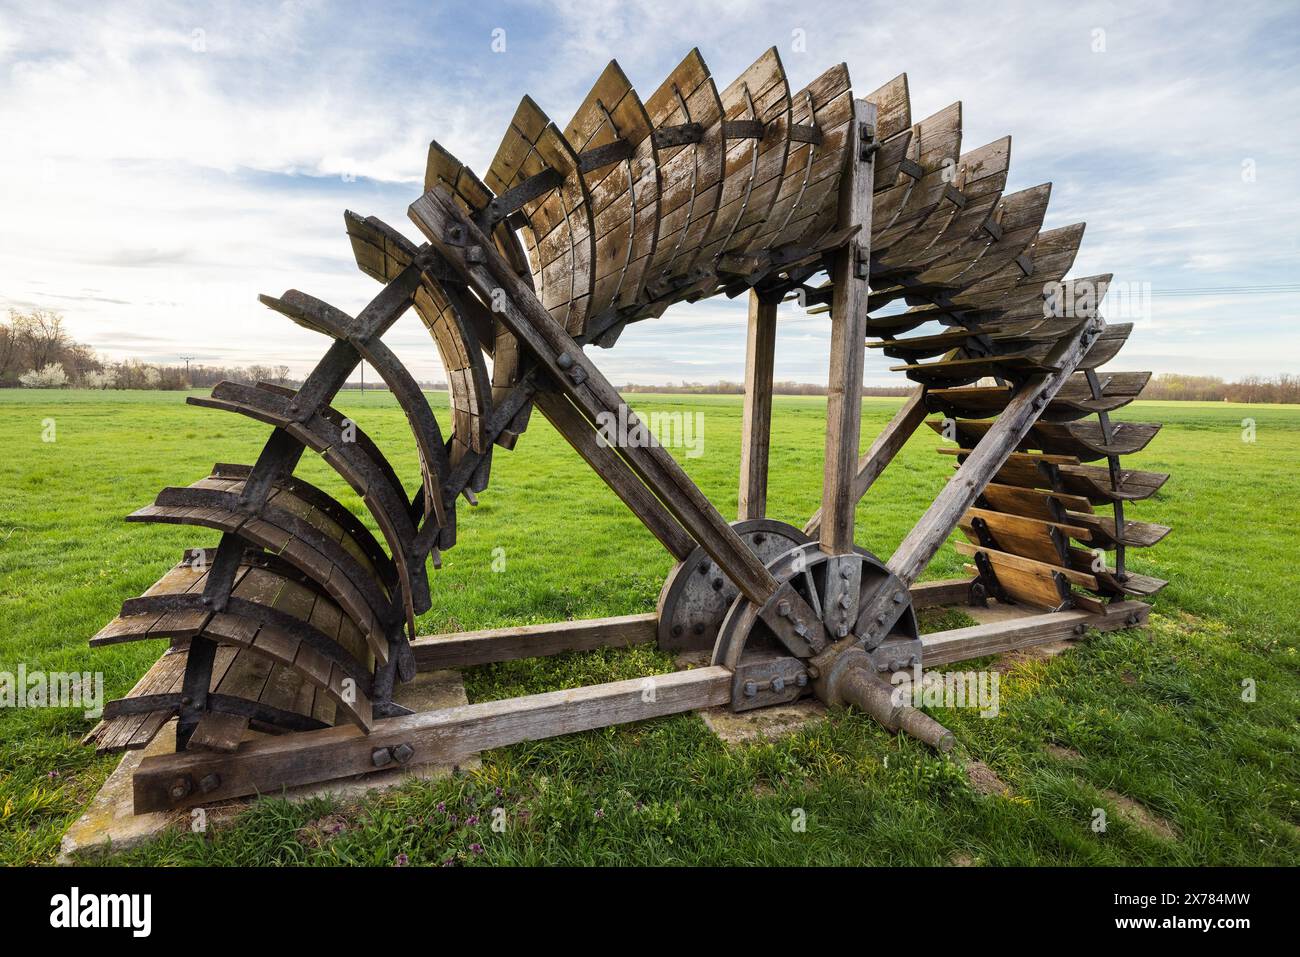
[{"x": 1155, "y": 716}]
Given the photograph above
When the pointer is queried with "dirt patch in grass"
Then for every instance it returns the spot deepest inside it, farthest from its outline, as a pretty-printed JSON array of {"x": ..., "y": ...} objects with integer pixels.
[
  {"x": 1012, "y": 659},
  {"x": 1062, "y": 753},
  {"x": 983, "y": 780},
  {"x": 1141, "y": 817}
]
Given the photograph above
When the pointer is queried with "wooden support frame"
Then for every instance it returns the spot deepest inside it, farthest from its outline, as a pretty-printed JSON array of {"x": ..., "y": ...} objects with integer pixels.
[
  {"x": 442, "y": 736},
  {"x": 756, "y": 432},
  {"x": 610, "y": 466},
  {"x": 269, "y": 765}
]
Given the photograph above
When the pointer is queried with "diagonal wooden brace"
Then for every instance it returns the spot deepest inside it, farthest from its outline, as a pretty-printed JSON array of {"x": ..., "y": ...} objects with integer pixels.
[
  {"x": 990, "y": 454},
  {"x": 439, "y": 217}
]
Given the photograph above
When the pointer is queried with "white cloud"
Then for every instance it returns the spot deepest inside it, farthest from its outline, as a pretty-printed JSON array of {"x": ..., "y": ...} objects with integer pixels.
[{"x": 157, "y": 178}]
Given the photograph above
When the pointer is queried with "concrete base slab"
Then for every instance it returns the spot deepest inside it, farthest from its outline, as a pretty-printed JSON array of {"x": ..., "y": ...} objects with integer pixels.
[
  {"x": 997, "y": 611},
  {"x": 742, "y": 727},
  {"x": 109, "y": 820}
]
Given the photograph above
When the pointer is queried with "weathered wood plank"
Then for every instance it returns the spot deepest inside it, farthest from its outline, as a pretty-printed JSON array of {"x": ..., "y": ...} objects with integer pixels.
[
  {"x": 616, "y": 473},
  {"x": 962, "y": 644},
  {"x": 848, "y": 330},
  {"x": 468, "y": 648},
  {"x": 443, "y": 736}
]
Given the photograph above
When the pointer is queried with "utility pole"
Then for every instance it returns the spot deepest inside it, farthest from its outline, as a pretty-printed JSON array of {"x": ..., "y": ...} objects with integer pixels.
[{"x": 187, "y": 367}]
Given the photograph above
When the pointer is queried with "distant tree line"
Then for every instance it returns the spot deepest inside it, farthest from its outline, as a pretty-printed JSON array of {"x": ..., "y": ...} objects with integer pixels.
[
  {"x": 37, "y": 352},
  {"x": 1205, "y": 388}
]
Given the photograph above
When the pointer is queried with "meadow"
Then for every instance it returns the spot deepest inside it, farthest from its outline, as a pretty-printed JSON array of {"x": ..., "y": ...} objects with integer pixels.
[{"x": 1154, "y": 716}]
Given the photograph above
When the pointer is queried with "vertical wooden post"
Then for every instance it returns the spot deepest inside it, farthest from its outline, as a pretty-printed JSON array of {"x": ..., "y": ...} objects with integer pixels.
[
  {"x": 848, "y": 339},
  {"x": 756, "y": 431}
]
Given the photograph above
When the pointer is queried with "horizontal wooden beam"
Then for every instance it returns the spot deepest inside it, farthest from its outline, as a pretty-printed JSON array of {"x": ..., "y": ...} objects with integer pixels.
[
  {"x": 268, "y": 765},
  {"x": 468, "y": 648},
  {"x": 962, "y": 644},
  {"x": 950, "y": 591}
]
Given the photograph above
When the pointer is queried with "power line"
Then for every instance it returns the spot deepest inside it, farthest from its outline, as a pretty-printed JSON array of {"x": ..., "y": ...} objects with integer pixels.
[{"x": 1259, "y": 290}]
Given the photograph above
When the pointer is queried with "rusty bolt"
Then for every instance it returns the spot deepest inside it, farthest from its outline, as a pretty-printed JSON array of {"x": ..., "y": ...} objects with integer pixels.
[
  {"x": 699, "y": 628},
  {"x": 778, "y": 683},
  {"x": 380, "y": 757},
  {"x": 717, "y": 584},
  {"x": 181, "y": 787},
  {"x": 403, "y": 753},
  {"x": 1079, "y": 629},
  {"x": 845, "y": 572},
  {"x": 564, "y": 360},
  {"x": 677, "y": 631},
  {"x": 800, "y": 628},
  {"x": 474, "y": 254},
  {"x": 783, "y": 608},
  {"x": 899, "y": 598},
  {"x": 751, "y": 689},
  {"x": 209, "y": 782},
  {"x": 801, "y": 680},
  {"x": 880, "y": 619},
  {"x": 845, "y": 601}
]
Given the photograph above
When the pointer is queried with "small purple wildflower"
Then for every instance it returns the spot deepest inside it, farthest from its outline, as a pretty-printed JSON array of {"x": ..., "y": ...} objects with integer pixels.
[
  {"x": 476, "y": 848},
  {"x": 401, "y": 860}
]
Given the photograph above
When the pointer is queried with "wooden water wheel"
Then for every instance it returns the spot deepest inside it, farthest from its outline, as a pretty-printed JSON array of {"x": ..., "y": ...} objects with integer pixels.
[{"x": 288, "y": 636}]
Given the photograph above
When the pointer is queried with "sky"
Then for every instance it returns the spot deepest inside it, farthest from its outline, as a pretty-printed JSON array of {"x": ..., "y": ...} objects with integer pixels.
[{"x": 164, "y": 163}]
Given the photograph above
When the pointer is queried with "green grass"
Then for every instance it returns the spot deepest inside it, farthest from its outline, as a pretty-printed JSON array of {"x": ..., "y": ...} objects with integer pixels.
[{"x": 1156, "y": 715}]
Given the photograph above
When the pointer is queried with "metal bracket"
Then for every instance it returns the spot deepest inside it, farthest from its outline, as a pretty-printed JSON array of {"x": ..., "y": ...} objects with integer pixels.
[
  {"x": 806, "y": 134},
  {"x": 843, "y": 584},
  {"x": 680, "y": 135},
  {"x": 861, "y": 260},
  {"x": 793, "y": 622},
  {"x": 742, "y": 129},
  {"x": 767, "y": 680},
  {"x": 867, "y": 145},
  {"x": 606, "y": 155},
  {"x": 517, "y": 197},
  {"x": 911, "y": 168}
]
